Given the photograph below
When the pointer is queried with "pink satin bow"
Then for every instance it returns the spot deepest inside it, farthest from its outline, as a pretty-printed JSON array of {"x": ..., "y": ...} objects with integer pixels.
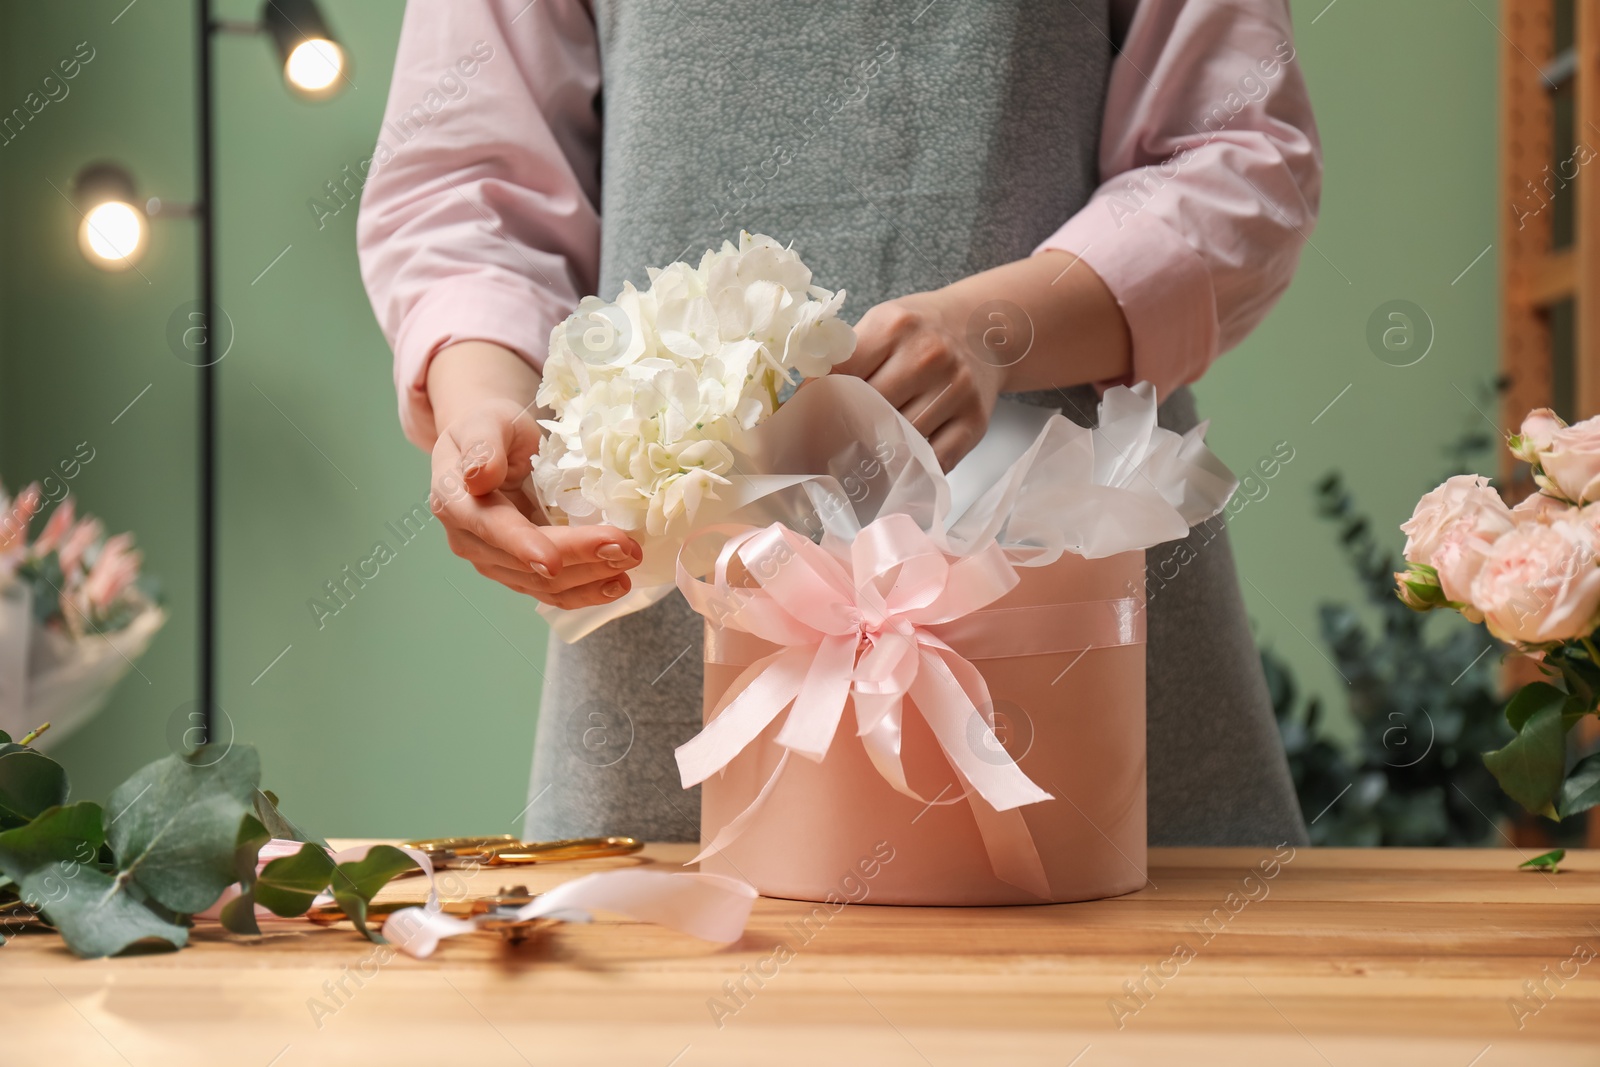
[{"x": 855, "y": 625}]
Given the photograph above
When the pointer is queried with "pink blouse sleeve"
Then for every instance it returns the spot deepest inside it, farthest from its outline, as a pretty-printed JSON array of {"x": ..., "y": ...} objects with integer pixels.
[
  {"x": 479, "y": 219},
  {"x": 1211, "y": 172}
]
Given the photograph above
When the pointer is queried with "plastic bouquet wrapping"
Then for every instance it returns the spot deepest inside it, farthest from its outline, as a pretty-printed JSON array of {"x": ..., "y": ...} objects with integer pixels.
[
  {"x": 1531, "y": 575},
  {"x": 957, "y": 661},
  {"x": 72, "y": 616}
]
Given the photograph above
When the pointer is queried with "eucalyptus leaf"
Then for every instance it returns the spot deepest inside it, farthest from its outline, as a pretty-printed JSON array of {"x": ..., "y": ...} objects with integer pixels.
[
  {"x": 239, "y": 914},
  {"x": 1531, "y": 767},
  {"x": 267, "y": 810},
  {"x": 30, "y": 782},
  {"x": 98, "y": 914},
  {"x": 175, "y": 824},
  {"x": 1581, "y": 790},
  {"x": 357, "y": 882},
  {"x": 287, "y": 886},
  {"x": 69, "y": 834},
  {"x": 105, "y": 915}
]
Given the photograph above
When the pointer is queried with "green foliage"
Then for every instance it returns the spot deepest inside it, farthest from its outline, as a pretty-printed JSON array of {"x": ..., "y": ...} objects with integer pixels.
[
  {"x": 357, "y": 882},
  {"x": 289, "y": 883},
  {"x": 30, "y": 782},
  {"x": 182, "y": 830},
  {"x": 1423, "y": 691},
  {"x": 99, "y": 912},
  {"x": 177, "y": 821},
  {"x": 266, "y": 808},
  {"x": 1581, "y": 790},
  {"x": 1549, "y": 862},
  {"x": 239, "y": 914},
  {"x": 1531, "y": 765}
]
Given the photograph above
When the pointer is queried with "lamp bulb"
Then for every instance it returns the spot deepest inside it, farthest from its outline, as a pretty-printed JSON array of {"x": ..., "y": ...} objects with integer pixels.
[
  {"x": 314, "y": 65},
  {"x": 113, "y": 232}
]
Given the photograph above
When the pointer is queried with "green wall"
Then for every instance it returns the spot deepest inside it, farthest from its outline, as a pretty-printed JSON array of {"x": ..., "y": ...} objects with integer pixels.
[
  {"x": 1405, "y": 103},
  {"x": 412, "y": 710}
]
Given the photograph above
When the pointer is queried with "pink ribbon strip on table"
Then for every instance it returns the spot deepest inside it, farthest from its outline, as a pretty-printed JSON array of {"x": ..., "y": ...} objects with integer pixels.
[
  {"x": 711, "y": 907},
  {"x": 842, "y": 636},
  {"x": 708, "y": 906}
]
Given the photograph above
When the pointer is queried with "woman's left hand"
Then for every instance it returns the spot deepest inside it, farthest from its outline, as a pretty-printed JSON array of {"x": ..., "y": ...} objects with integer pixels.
[{"x": 909, "y": 351}]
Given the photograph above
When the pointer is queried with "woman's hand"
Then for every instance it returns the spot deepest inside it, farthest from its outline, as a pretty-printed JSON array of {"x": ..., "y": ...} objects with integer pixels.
[
  {"x": 943, "y": 357},
  {"x": 910, "y": 351},
  {"x": 483, "y": 398}
]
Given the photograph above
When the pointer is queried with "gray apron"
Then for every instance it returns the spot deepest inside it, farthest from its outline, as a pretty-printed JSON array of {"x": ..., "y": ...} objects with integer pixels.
[{"x": 901, "y": 145}]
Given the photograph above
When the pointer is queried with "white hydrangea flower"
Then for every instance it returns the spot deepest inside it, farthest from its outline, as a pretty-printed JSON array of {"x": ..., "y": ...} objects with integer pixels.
[{"x": 653, "y": 392}]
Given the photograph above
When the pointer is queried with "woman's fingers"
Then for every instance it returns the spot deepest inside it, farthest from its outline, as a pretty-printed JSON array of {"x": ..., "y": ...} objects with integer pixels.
[
  {"x": 496, "y": 444},
  {"x": 496, "y": 521},
  {"x": 954, "y": 440},
  {"x": 474, "y": 461},
  {"x": 602, "y": 590},
  {"x": 475, "y": 550},
  {"x": 584, "y": 552},
  {"x": 584, "y": 574},
  {"x": 589, "y": 595},
  {"x": 595, "y": 544},
  {"x": 876, "y": 335},
  {"x": 930, "y": 411}
]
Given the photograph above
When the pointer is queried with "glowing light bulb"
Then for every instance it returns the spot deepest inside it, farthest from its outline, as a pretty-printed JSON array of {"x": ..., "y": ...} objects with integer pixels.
[
  {"x": 113, "y": 232},
  {"x": 314, "y": 65}
]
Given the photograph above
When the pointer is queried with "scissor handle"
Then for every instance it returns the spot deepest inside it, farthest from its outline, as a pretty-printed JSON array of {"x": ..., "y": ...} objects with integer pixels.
[{"x": 576, "y": 848}]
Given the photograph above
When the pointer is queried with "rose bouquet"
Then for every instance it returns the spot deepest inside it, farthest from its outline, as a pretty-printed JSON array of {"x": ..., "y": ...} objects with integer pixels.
[
  {"x": 1531, "y": 575},
  {"x": 72, "y": 614},
  {"x": 655, "y": 392}
]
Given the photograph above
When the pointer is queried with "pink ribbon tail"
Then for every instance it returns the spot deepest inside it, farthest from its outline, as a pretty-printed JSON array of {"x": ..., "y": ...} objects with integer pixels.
[
  {"x": 741, "y": 822},
  {"x": 711, "y": 907}
]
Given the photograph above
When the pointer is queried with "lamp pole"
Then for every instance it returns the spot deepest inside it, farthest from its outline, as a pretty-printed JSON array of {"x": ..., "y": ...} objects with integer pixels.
[
  {"x": 313, "y": 64},
  {"x": 205, "y": 218}
]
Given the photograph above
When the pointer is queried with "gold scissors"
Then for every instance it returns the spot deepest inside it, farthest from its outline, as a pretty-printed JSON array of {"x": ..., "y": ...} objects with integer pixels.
[{"x": 504, "y": 850}]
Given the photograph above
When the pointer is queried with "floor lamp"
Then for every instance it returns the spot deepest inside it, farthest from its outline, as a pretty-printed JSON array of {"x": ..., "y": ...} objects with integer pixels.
[{"x": 115, "y": 224}]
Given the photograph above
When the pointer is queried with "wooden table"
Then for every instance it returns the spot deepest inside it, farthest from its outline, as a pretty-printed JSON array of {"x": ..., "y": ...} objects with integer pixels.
[{"x": 1339, "y": 957}]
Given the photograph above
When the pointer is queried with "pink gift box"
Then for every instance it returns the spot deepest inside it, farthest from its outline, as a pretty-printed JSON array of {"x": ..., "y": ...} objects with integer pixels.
[{"x": 1062, "y": 655}]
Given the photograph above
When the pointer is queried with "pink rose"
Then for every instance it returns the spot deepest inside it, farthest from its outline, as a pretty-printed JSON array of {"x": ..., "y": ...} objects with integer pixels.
[
  {"x": 1458, "y": 559},
  {"x": 1542, "y": 507},
  {"x": 1540, "y": 582},
  {"x": 1571, "y": 461},
  {"x": 1539, "y": 428},
  {"x": 1463, "y": 508}
]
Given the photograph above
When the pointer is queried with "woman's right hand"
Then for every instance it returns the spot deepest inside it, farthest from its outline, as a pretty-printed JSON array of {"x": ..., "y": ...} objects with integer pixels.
[{"x": 481, "y": 461}]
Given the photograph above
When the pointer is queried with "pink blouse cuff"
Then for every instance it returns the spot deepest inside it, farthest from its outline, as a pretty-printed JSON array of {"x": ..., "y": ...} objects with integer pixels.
[
  {"x": 467, "y": 307},
  {"x": 1159, "y": 281}
]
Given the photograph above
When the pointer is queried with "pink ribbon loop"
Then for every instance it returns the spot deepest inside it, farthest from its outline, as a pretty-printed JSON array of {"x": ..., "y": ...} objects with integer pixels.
[{"x": 860, "y": 627}]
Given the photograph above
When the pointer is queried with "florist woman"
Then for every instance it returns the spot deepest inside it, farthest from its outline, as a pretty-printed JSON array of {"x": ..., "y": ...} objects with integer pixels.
[{"x": 1121, "y": 186}]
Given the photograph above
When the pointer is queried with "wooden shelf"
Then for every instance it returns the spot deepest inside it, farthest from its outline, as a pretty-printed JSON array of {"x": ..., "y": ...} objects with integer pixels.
[{"x": 1535, "y": 277}]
